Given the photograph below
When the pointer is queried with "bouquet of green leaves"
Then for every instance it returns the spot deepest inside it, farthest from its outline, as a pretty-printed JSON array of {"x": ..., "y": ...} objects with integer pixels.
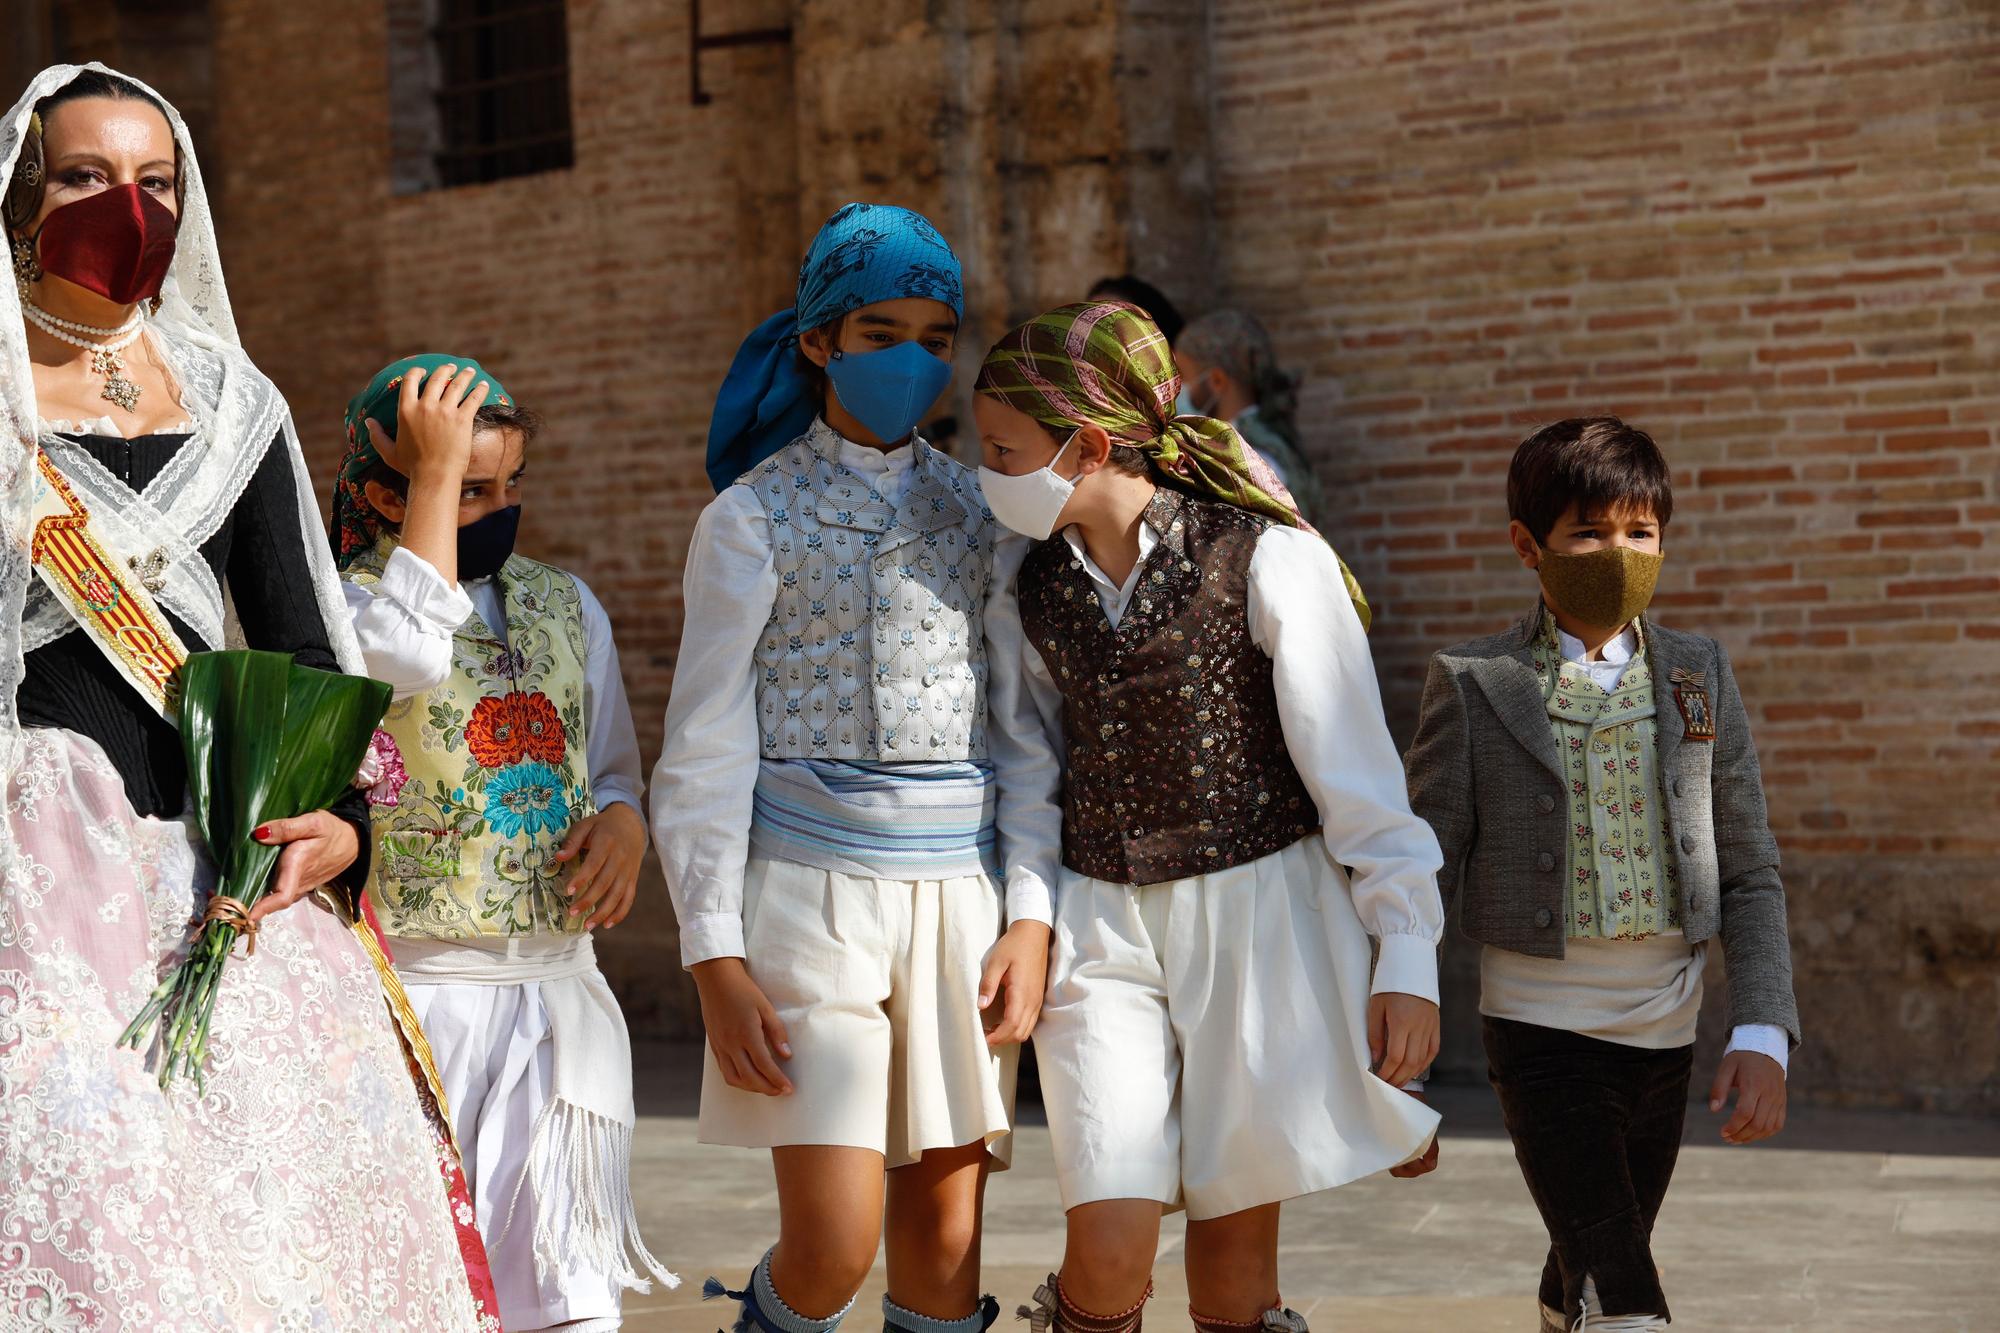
[{"x": 265, "y": 739}]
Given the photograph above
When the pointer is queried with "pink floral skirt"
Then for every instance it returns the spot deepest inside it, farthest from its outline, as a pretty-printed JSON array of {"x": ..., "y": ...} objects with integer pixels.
[{"x": 304, "y": 1188}]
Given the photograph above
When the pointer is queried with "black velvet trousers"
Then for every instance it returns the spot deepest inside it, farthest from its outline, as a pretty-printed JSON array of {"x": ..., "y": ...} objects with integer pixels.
[{"x": 1596, "y": 1128}]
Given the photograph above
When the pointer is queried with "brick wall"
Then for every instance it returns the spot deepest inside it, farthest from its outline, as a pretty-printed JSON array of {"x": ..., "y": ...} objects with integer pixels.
[
  {"x": 1769, "y": 234},
  {"x": 610, "y": 297}
]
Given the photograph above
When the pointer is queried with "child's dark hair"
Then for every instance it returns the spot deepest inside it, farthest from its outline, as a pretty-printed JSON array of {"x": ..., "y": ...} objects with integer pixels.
[
  {"x": 1132, "y": 462},
  {"x": 1599, "y": 464},
  {"x": 491, "y": 416},
  {"x": 1135, "y": 290}
]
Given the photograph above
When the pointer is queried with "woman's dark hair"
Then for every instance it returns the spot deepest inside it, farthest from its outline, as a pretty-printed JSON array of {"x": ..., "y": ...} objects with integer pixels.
[
  {"x": 30, "y": 180},
  {"x": 1599, "y": 464},
  {"x": 1237, "y": 343},
  {"x": 1137, "y": 291},
  {"x": 490, "y": 417}
]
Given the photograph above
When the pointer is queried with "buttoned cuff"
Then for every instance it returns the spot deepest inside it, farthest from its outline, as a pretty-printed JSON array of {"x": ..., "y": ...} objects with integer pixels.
[
  {"x": 1029, "y": 898},
  {"x": 615, "y": 792},
  {"x": 1765, "y": 1039},
  {"x": 414, "y": 584},
  {"x": 1407, "y": 965},
  {"x": 712, "y": 935}
]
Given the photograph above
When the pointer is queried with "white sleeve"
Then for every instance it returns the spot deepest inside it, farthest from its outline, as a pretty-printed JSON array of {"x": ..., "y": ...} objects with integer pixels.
[
  {"x": 611, "y": 748},
  {"x": 1024, "y": 753},
  {"x": 1763, "y": 1038},
  {"x": 404, "y": 622},
  {"x": 1339, "y": 741},
  {"x": 706, "y": 781}
]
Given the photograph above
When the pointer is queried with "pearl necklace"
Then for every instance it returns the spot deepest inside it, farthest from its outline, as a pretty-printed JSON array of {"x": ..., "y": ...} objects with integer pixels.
[
  {"x": 138, "y": 316},
  {"x": 104, "y": 356}
]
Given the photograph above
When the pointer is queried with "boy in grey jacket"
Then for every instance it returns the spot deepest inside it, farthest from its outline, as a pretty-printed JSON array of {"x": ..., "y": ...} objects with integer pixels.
[{"x": 1591, "y": 779}]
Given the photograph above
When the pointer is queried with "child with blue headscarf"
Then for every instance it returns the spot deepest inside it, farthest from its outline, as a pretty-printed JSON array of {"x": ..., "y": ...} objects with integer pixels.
[{"x": 858, "y": 841}]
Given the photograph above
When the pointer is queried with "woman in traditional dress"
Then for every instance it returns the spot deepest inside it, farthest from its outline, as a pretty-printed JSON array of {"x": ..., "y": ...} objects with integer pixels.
[{"x": 150, "y": 466}]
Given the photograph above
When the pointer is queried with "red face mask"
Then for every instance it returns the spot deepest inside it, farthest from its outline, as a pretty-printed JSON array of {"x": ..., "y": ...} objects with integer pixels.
[{"x": 118, "y": 243}]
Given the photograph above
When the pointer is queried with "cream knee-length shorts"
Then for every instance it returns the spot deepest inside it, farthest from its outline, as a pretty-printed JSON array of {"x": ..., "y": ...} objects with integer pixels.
[
  {"x": 1204, "y": 1041},
  {"x": 877, "y": 984}
]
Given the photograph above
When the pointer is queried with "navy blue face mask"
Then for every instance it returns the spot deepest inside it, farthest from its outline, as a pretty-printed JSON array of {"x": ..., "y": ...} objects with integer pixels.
[
  {"x": 889, "y": 391},
  {"x": 485, "y": 544}
]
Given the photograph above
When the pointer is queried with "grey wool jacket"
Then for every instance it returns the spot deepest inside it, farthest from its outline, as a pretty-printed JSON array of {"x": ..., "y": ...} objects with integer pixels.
[{"x": 1485, "y": 773}]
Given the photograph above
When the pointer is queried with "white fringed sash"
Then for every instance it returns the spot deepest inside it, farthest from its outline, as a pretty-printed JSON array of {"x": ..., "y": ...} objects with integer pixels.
[{"x": 581, "y": 1153}]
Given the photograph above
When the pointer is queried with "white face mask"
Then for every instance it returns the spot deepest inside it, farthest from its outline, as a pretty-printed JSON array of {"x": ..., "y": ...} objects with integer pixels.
[{"x": 1031, "y": 503}]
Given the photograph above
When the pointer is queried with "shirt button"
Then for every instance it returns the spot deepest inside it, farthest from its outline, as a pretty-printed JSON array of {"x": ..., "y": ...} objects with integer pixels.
[
  {"x": 1547, "y": 861},
  {"x": 930, "y": 622},
  {"x": 1687, "y": 842},
  {"x": 1135, "y": 833},
  {"x": 1680, "y": 788},
  {"x": 1544, "y": 917},
  {"x": 1546, "y": 803}
]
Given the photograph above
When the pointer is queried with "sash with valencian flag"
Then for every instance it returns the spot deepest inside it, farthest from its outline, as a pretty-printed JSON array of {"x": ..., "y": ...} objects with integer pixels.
[{"x": 109, "y": 601}]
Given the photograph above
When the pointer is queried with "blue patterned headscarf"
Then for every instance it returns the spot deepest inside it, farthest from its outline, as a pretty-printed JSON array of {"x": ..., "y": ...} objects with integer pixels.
[{"x": 865, "y": 253}]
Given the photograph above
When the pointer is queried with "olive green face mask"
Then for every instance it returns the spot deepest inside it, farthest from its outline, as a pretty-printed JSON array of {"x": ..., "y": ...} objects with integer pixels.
[{"x": 1605, "y": 589}]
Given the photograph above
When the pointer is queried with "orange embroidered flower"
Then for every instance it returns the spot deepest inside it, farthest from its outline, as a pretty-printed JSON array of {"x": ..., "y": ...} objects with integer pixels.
[{"x": 506, "y": 728}]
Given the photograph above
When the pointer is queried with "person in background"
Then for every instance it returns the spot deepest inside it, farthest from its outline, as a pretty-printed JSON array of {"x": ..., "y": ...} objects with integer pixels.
[
  {"x": 1137, "y": 291},
  {"x": 1229, "y": 371}
]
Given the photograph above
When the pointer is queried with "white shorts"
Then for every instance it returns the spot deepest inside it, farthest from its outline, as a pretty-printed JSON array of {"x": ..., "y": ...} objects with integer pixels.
[
  {"x": 877, "y": 984},
  {"x": 1204, "y": 1041},
  {"x": 495, "y": 1057}
]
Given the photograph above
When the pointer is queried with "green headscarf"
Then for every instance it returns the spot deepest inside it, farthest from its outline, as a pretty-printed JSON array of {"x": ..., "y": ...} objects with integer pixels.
[
  {"x": 357, "y": 527},
  {"x": 1105, "y": 364}
]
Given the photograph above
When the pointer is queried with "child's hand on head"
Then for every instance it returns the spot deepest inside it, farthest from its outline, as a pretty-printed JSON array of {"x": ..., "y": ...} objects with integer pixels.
[
  {"x": 1760, "y": 1096},
  {"x": 612, "y": 845},
  {"x": 434, "y": 423},
  {"x": 743, "y": 1029}
]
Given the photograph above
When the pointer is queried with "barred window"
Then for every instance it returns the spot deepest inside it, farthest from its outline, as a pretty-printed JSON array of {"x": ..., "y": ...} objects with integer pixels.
[{"x": 479, "y": 90}]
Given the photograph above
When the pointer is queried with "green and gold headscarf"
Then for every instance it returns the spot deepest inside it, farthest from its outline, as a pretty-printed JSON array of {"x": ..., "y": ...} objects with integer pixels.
[
  {"x": 1105, "y": 364},
  {"x": 356, "y": 526}
]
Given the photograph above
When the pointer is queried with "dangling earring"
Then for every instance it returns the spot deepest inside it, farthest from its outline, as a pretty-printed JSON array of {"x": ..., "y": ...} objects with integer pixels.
[
  {"x": 153, "y": 306},
  {"x": 27, "y": 268}
]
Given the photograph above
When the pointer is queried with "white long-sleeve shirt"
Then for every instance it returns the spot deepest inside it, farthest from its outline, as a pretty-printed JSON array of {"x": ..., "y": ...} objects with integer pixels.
[
  {"x": 405, "y": 622},
  {"x": 1331, "y": 710},
  {"x": 705, "y": 783}
]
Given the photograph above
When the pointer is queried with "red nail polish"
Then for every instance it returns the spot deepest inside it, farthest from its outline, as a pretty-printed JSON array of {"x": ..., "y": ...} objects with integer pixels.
[{"x": 260, "y": 832}]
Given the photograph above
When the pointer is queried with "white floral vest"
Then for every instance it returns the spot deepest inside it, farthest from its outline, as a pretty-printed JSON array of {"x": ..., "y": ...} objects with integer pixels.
[
  {"x": 875, "y": 649},
  {"x": 492, "y": 771}
]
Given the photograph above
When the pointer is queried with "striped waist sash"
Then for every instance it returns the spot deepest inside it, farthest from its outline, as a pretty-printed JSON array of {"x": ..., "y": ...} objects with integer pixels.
[{"x": 881, "y": 820}]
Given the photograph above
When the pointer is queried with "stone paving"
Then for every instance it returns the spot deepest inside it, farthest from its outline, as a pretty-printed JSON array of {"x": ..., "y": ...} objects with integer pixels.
[{"x": 1851, "y": 1220}]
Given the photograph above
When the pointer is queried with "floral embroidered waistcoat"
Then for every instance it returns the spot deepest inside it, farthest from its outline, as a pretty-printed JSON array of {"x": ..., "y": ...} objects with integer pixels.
[
  {"x": 1623, "y": 881},
  {"x": 875, "y": 649},
  {"x": 487, "y": 771},
  {"x": 1177, "y": 763}
]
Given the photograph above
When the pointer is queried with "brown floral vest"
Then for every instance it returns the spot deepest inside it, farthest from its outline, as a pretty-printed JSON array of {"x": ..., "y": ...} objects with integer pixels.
[{"x": 1177, "y": 759}]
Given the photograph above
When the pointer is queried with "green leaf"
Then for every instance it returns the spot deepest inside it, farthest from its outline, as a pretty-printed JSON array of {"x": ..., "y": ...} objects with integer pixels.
[{"x": 265, "y": 739}]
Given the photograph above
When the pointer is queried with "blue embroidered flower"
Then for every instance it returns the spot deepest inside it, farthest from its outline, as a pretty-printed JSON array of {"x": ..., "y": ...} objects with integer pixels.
[{"x": 526, "y": 799}]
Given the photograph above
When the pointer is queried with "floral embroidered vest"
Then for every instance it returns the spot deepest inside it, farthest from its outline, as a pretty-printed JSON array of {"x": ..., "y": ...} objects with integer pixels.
[
  {"x": 1623, "y": 882},
  {"x": 1176, "y": 759},
  {"x": 875, "y": 649},
  {"x": 492, "y": 770}
]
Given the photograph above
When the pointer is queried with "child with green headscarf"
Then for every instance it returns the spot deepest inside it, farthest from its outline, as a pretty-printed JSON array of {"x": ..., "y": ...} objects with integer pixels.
[
  {"x": 1234, "y": 831},
  {"x": 506, "y": 827}
]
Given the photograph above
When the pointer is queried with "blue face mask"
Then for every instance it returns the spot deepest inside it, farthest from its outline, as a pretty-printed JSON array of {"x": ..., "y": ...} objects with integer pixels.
[{"x": 889, "y": 391}]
